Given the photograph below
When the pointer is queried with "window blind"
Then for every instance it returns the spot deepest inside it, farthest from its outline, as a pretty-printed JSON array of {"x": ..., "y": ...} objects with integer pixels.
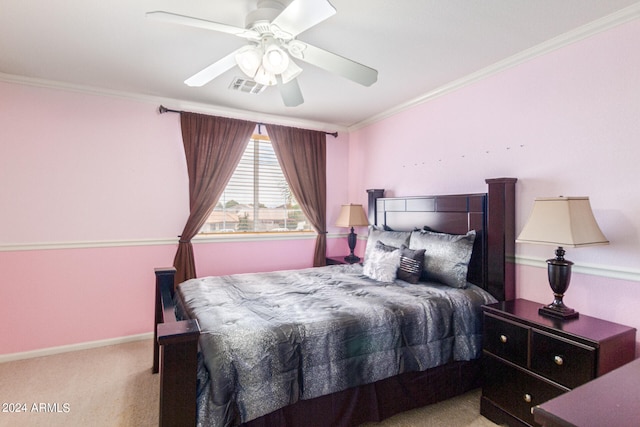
[{"x": 257, "y": 197}]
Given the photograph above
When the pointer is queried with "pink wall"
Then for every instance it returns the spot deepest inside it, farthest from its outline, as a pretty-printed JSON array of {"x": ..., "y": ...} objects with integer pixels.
[
  {"x": 93, "y": 195},
  {"x": 87, "y": 168},
  {"x": 97, "y": 170},
  {"x": 566, "y": 123},
  {"x": 59, "y": 297}
]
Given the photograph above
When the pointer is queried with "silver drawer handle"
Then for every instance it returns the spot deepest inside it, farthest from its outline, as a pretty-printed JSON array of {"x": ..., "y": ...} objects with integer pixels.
[
  {"x": 558, "y": 360},
  {"x": 503, "y": 338},
  {"x": 527, "y": 398}
]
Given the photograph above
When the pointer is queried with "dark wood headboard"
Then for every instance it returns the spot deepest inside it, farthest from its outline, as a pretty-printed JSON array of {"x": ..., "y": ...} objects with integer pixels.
[{"x": 490, "y": 214}]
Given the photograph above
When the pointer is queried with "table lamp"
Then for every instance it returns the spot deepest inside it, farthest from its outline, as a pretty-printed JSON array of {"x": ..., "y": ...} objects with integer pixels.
[
  {"x": 562, "y": 222},
  {"x": 352, "y": 216}
]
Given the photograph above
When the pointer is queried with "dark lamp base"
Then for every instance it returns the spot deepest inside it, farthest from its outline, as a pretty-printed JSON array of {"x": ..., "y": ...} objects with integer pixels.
[
  {"x": 558, "y": 312},
  {"x": 352, "y": 259},
  {"x": 559, "y": 271},
  {"x": 351, "y": 239}
]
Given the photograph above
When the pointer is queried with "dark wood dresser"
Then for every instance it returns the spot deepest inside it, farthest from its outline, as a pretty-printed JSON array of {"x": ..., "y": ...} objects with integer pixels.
[
  {"x": 530, "y": 359},
  {"x": 610, "y": 400}
]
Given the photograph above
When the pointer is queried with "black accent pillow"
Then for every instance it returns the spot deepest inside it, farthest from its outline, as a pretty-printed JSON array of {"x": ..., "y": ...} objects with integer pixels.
[{"x": 411, "y": 264}]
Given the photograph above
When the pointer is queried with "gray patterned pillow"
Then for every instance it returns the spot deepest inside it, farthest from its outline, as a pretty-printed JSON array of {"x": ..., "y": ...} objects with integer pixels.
[
  {"x": 382, "y": 263},
  {"x": 390, "y": 238},
  {"x": 446, "y": 258},
  {"x": 411, "y": 261}
]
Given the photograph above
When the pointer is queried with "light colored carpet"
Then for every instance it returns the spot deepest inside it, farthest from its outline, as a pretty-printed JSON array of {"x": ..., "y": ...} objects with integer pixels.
[
  {"x": 106, "y": 386},
  {"x": 113, "y": 386},
  {"x": 461, "y": 411}
]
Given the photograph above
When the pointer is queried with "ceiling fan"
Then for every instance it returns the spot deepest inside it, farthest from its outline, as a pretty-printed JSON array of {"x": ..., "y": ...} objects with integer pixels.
[{"x": 271, "y": 31}]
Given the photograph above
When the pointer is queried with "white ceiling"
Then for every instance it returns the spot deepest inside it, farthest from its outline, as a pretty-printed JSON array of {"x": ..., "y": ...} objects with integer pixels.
[{"x": 419, "y": 47}]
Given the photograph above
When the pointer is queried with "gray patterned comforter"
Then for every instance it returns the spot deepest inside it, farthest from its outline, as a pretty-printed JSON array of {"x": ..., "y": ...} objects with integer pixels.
[{"x": 271, "y": 339}]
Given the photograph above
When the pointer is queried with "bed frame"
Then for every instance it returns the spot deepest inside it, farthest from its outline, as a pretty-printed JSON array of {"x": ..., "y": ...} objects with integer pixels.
[{"x": 491, "y": 214}]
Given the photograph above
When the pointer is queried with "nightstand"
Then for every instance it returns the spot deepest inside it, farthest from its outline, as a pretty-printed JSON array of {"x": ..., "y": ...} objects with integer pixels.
[
  {"x": 529, "y": 358},
  {"x": 335, "y": 260}
]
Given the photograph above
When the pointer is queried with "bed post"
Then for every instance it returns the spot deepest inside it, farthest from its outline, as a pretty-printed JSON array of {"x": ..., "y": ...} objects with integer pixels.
[
  {"x": 372, "y": 213},
  {"x": 164, "y": 280},
  {"x": 175, "y": 356},
  {"x": 501, "y": 281}
]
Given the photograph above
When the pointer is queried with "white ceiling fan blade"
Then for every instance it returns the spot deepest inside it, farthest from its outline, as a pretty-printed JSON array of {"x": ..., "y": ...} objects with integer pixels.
[
  {"x": 290, "y": 92},
  {"x": 301, "y": 15},
  {"x": 333, "y": 63},
  {"x": 212, "y": 71},
  {"x": 189, "y": 21}
]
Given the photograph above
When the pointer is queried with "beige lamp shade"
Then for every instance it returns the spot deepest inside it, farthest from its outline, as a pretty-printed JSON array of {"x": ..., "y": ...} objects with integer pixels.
[
  {"x": 352, "y": 216},
  {"x": 562, "y": 221}
]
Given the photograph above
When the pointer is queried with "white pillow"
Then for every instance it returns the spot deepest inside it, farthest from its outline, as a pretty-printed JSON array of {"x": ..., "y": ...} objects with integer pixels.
[{"x": 382, "y": 265}]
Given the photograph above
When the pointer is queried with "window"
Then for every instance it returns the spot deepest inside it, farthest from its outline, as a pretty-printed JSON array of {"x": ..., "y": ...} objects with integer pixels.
[{"x": 257, "y": 197}]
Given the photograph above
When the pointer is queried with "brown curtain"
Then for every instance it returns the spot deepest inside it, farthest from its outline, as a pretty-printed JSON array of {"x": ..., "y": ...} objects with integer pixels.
[
  {"x": 213, "y": 147},
  {"x": 303, "y": 158}
]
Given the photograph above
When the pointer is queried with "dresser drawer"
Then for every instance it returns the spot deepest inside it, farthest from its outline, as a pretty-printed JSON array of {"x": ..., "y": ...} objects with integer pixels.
[
  {"x": 530, "y": 358},
  {"x": 505, "y": 339},
  {"x": 565, "y": 362},
  {"x": 514, "y": 390}
]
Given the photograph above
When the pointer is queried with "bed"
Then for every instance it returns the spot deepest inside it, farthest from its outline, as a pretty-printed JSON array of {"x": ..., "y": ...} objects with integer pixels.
[{"x": 356, "y": 388}]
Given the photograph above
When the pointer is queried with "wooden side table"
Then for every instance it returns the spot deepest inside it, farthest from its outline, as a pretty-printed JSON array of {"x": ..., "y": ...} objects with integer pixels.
[{"x": 530, "y": 359}]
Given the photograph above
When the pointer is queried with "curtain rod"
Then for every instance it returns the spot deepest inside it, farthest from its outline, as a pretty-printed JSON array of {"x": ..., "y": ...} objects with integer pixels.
[{"x": 162, "y": 109}]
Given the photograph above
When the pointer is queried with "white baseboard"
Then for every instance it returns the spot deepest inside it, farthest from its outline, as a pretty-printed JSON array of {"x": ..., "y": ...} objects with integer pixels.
[{"x": 74, "y": 347}]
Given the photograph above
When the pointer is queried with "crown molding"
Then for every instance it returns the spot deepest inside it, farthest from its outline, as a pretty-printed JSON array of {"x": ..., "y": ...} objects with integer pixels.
[
  {"x": 174, "y": 104},
  {"x": 605, "y": 23}
]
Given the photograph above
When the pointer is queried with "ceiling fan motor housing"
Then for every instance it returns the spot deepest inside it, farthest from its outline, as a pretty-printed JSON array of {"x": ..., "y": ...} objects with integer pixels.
[{"x": 260, "y": 19}]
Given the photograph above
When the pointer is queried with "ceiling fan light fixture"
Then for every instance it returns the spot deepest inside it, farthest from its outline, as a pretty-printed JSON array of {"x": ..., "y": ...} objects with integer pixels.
[
  {"x": 249, "y": 59},
  {"x": 275, "y": 60},
  {"x": 265, "y": 77},
  {"x": 291, "y": 72}
]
